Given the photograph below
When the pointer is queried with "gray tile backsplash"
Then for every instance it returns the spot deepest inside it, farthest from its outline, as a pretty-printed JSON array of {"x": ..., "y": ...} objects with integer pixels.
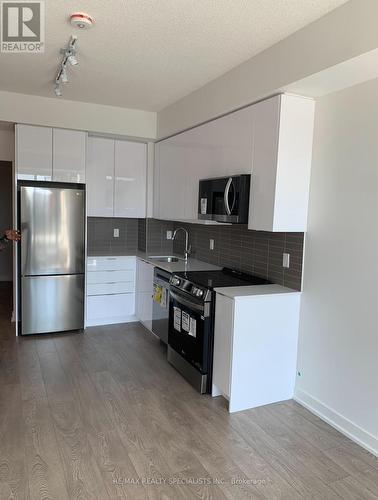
[
  {"x": 254, "y": 252},
  {"x": 100, "y": 235},
  {"x": 156, "y": 237},
  {"x": 142, "y": 235}
]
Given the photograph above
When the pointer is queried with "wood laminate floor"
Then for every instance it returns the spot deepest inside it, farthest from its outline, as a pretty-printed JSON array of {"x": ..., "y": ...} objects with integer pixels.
[{"x": 102, "y": 415}]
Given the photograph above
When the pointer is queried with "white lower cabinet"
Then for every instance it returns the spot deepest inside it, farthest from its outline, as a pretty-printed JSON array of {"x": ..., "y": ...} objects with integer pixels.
[
  {"x": 144, "y": 292},
  {"x": 255, "y": 347},
  {"x": 110, "y": 290}
]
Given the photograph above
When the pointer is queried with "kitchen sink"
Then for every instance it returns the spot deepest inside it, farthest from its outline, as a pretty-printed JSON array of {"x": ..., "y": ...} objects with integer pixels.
[{"x": 166, "y": 258}]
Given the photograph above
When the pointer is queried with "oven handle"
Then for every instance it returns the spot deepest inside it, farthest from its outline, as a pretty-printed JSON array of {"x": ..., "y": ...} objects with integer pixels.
[{"x": 186, "y": 302}]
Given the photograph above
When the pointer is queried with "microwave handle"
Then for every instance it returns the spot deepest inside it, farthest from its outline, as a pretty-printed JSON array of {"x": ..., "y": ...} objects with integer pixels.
[{"x": 226, "y": 193}]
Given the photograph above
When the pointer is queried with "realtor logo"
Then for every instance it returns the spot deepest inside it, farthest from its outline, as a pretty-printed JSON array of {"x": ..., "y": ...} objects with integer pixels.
[{"x": 22, "y": 26}]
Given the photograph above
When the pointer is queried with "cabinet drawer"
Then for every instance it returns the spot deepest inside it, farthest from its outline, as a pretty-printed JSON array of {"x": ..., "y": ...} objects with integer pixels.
[
  {"x": 115, "y": 276},
  {"x": 106, "y": 309},
  {"x": 110, "y": 288},
  {"x": 111, "y": 263}
]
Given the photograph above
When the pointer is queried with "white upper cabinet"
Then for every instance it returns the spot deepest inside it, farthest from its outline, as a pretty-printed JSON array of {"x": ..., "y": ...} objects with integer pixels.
[
  {"x": 282, "y": 150},
  {"x": 116, "y": 178},
  {"x": 216, "y": 149},
  {"x": 170, "y": 181},
  {"x": 49, "y": 154},
  {"x": 34, "y": 152},
  {"x": 100, "y": 177},
  {"x": 69, "y": 152},
  {"x": 271, "y": 140},
  {"x": 130, "y": 161}
]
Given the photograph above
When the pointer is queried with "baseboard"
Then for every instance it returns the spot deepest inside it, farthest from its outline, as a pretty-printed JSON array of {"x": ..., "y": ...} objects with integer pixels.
[
  {"x": 338, "y": 421},
  {"x": 111, "y": 321}
]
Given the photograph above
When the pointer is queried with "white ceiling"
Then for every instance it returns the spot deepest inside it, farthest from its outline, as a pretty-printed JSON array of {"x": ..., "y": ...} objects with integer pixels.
[{"x": 147, "y": 54}]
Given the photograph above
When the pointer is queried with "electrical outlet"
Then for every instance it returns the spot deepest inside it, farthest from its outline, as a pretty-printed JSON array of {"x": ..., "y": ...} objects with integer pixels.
[
  {"x": 169, "y": 235},
  {"x": 116, "y": 233},
  {"x": 286, "y": 260},
  {"x": 211, "y": 244}
]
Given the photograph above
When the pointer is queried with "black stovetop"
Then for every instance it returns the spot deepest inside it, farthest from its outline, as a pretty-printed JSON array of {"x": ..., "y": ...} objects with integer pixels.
[{"x": 221, "y": 278}]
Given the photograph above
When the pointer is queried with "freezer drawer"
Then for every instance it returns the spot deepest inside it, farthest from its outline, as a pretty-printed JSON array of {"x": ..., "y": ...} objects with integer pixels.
[{"x": 52, "y": 303}]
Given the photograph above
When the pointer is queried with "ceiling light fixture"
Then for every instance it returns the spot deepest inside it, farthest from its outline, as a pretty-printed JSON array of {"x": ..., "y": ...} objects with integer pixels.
[
  {"x": 57, "y": 90},
  {"x": 69, "y": 56},
  {"x": 64, "y": 76},
  {"x": 82, "y": 21},
  {"x": 72, "y": 60}
]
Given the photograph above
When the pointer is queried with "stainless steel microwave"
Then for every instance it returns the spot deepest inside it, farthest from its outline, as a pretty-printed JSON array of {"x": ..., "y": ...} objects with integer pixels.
[{"x": 224, "y": 199}]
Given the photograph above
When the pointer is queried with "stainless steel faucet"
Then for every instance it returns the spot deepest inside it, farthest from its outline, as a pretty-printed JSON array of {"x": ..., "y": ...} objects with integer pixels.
[{"x": 188, "y": 247}]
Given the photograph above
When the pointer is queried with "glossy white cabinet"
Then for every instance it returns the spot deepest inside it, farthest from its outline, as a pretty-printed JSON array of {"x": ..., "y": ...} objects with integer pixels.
[
  {"x": 271, "y": 140},
  {"x": 110, "y": 290},
  {"x": 218, "y": 148},
  {"x": 116, "y": 178},
  {"x": 34, "y": 152},
  {"x": 130, "y": 188},
  {"x": 69, "y": 153},
  {"x": 170, "y": 181},
  {"x": 50, "y": 154},
  {"x": 282, "y": 151},
  {"x": 255, "y": 347},
  {"x": 144, "y": 292},
  {"x": 100, "y": 177}
]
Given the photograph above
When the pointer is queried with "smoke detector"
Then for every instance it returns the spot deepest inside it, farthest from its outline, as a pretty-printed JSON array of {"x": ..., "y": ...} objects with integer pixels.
[{"x": 81, "y": 20}]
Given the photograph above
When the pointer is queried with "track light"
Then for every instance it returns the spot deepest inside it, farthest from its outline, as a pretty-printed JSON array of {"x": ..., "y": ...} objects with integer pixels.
[
  {"x": 57, "y": 90},
  {"x": 64, "y": 76},
  {"x": 69, "y": 56},
  {"x": 72, "y": 60}
]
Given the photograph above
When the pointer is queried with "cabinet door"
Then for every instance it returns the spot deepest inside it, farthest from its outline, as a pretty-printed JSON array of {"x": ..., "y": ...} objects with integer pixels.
[
  {"x": 130, "y": 186},
  {"x": 216, "y": 149},
  {"x": 144, "y": 292},
  {"x": 100, "y": 177},
  {"x": 282, "y": 154},
  {"x": 172, "y": 178},
  {"x": 219, "y": 148},
  {"x": 69, "y": 151},
  {"x": 34, "y": 152},
  {"x": 264, "y": 167}
]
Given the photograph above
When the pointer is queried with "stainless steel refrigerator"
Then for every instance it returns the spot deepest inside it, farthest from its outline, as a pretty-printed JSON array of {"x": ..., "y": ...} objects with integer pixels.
[{"x": 52, "y": 261}]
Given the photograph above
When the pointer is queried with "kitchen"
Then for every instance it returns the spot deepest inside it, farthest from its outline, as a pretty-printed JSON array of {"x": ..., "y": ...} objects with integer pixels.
[{"x": 164, "y": 275}]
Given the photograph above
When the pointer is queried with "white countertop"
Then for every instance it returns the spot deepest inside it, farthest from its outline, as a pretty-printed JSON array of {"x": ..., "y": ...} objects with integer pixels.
[
  {"x": 181, "y": 265},
  {"x": 171, "y": 267},
  {"x": 234, "y": 292}
]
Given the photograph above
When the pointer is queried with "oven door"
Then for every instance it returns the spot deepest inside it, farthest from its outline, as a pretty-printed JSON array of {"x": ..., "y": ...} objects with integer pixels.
[{"x": 190, "y": 330}]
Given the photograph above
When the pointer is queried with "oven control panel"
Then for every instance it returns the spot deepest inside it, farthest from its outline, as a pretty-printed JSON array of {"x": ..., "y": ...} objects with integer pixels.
[{"x": 189, "y": 287}]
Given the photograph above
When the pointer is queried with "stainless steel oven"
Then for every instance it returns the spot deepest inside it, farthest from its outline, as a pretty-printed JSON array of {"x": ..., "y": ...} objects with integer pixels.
[
  {"x": 191, "y": 320},
  {"x": 190, "y": 334},
  {"x": 224, "y": 199}
]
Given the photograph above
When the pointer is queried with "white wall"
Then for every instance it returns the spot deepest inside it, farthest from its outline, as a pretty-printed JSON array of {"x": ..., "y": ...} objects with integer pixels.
[
  {"x": 343, "y": 34},
  {"x": 338, "y": 346},
  {"x": 6, "y": 144},
  {"x": 57, "y": 112}
]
